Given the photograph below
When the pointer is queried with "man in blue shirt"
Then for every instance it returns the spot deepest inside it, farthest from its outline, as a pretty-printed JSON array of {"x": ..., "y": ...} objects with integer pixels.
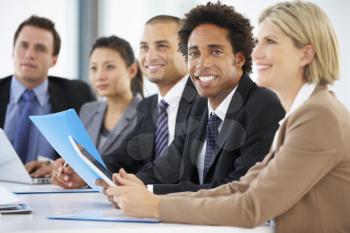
[{"x": 30, "y": 91}]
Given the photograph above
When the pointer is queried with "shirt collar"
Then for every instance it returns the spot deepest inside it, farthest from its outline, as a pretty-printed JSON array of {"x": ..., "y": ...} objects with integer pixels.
[
  {"x": 17, "y": 89},
  {"x": 221, "y": 110},
  {"x": 303, "y": 94},
  {"x": 173, "y": 96},
  {"x": 41, "y": 91}
]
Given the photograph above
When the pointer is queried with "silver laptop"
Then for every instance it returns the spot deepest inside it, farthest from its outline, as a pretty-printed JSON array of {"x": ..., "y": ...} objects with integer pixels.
[{"x": 11, "y": 166}]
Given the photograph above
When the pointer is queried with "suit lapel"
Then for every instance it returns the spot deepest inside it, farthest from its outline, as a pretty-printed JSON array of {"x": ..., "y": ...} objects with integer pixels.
[
  {"x": 280, "y": 136},
  {"x": 188, "y": 96},
  {"x": 197, "y": 137},
  {"x": 5, "y": 86},
  {"x": 128, "y": 115},
  {"x": 117, "y": 130},
  {"x": 58, "y": 103},
  {"x": 154, "y": 111},
  {"x": 230, "y": 125},
  {"x": 146, "y": 139},
  {"x": 96, "y": 120},
  {"x": 281, "y": 132}
]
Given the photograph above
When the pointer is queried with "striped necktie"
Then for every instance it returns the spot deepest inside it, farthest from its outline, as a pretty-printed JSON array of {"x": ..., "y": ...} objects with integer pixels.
[
  {"x": 212, "y": 134},
  {"x": 162, "y": 132},
  {"x": 21, "y": 138}
]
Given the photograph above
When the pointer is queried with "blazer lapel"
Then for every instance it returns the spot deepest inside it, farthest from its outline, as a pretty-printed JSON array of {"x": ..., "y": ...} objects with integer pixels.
[
  {"x": 128, "y": 115},
  {"x": 230, "y": 124},
  {"x": 226, "y": 129},
  {"x": 58, "y": 103},
  {"x": 188, "y": 96},
  {"x": 197, "y": 137},
  {"x": 281, "y": 132},
  {"x": 154, "y": 111},
  {"x": 146, "y": 139},
  {"x": 280, "y": 135},
  {"x": 117, "y": 130},
  {"x": 96, "y": 121}
]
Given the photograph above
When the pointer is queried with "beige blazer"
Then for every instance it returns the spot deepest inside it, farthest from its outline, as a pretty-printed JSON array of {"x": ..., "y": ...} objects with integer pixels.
[{"x": 304, "y": 184}]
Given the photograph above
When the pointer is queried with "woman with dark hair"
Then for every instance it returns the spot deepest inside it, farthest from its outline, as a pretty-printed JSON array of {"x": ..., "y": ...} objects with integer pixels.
[{"x": 116, "y": 76}]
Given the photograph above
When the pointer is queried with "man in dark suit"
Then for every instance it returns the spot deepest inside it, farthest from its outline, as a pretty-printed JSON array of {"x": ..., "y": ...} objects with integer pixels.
[
  {"x": 30, "y": 91},
  {"x": 226, "y": 133},
  {"x": 163, "y": 65},
  {"x": 246, "y": 133},
  {"x": 140, "y": 146}
]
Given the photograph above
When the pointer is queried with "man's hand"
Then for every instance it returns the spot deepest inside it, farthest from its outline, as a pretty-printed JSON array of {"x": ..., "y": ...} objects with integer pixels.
[
  {"x": 39, "y": 168},
  {"x": 120, "y": 179},
  {"x": 135, "y": 201},
  {"x": 65, "y": 177},
  {"x": 127, "y": 179}
]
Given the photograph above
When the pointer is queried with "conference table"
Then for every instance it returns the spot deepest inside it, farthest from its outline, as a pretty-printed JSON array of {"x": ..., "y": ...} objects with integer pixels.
[{"x": 51, "y": 204}]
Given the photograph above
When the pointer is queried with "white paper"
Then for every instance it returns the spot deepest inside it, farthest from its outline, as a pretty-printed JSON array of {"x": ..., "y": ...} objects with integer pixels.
[{"x": 7, "y": 198}]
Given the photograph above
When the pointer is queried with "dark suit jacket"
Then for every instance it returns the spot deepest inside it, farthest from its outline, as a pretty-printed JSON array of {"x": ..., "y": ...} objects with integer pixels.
[
  {"x": 304, "y": 184},
  {"x": 138, "y": 148},
  {"x": 245, "y": 138},
  {"x": 64, "y": 94}
]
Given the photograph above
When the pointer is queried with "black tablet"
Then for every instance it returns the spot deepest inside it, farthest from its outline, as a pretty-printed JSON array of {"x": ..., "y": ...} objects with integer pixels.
[{"x": 96, "y": 166}]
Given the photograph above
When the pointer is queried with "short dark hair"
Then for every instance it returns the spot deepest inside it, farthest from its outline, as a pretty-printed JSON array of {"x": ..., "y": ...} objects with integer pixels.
[
  {"x": 221, "y": 15},
  {"x": 163, "y": 18},
  {"x": 43, "y": 23},
  {"x": 126, "y": 52}
]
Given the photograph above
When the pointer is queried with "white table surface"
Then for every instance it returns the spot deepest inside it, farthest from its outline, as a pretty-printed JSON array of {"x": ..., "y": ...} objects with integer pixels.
[{"x": 45, "y": 205}]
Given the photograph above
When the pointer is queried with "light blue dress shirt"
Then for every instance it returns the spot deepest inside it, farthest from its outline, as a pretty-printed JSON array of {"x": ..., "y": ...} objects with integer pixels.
[{"x": 37, "y": 143}]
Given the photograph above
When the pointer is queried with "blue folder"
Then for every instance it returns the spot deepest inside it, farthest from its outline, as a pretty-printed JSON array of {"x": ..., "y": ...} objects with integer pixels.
[
  {"x": 102, "y": 215},
  {"x": 56, "y": 128}
]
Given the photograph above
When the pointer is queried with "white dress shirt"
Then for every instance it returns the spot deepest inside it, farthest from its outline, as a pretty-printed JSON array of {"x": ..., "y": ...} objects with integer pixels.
[{"x": 173, "y": 97}]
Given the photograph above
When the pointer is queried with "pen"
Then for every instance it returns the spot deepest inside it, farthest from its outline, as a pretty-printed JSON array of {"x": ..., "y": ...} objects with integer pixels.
[{"x": 61, "y": 169}]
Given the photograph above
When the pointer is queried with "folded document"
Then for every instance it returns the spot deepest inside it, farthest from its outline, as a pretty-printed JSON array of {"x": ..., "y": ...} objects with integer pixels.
[
  {"x": 11, "y": 204},
  {"x": 57, "y": 128}
]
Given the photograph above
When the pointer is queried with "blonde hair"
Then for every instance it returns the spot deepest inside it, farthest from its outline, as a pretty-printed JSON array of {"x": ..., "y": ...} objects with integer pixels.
[{"x": 306, "y": 23}]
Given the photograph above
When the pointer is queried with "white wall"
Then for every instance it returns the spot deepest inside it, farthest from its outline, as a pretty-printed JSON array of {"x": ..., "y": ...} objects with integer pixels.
[
  {"x": 337, "y": 11},
  {"x": 124, "y": 19},
  {"x": 62, "y": 12}
]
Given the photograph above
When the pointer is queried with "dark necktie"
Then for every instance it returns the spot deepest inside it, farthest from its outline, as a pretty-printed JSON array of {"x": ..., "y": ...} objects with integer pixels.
[
  {"x": 21, "y": 138},
  {"x": 212, "y": 134},
  {"x": 162, "y": 132}
]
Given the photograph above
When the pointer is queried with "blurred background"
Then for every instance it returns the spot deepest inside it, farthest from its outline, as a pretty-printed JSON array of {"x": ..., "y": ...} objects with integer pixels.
[{"x": 80, "y": 22}]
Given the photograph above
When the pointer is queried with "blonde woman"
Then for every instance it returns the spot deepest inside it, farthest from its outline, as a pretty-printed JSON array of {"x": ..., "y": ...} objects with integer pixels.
[{"x": 304, "y": 182}]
